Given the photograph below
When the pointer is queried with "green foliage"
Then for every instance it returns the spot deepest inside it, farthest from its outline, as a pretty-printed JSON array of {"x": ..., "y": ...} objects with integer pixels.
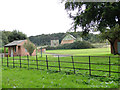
[
  {"x": 112, "y": 35},
  {"x": 75, "y": 45},
  {"x": 2, "y": 50},
  {"x": 95, "y": 16},
  {"x": 5, "y": 35},
  {"x": 4, "y": 39},
  {"x": 8, "y": 36},
  {"x": 16, "y": 35},
  {"x": 45, "y": 39},
  {"x": 29, "y": 46}
]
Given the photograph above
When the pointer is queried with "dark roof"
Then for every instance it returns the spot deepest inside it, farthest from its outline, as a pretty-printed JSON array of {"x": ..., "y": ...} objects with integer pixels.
[{"x": 14, "y": 43}]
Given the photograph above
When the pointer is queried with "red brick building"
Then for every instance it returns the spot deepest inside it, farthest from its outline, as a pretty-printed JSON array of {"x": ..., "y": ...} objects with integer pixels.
[
  {"x": 16, "y": 48},
  {"x": 117, "y": 47},
  {"x": 68, "y": 39}
]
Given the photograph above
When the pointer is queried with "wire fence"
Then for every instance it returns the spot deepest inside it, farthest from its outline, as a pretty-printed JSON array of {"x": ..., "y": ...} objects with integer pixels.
[{"x": 92, "y": 64}]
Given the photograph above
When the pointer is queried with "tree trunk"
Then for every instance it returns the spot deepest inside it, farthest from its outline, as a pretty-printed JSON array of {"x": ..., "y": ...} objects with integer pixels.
[{"x": 113, "y": 47}]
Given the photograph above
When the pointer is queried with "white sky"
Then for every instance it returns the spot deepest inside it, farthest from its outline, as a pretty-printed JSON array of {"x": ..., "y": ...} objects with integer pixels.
[{"x": 34, "y": 17}]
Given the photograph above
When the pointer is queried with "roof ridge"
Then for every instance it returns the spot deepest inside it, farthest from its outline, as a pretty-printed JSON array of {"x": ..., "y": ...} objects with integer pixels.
[{"x": 13, "y": 43}]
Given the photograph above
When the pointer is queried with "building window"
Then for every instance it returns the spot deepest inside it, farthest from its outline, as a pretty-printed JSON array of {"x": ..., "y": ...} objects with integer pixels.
[{"x": 25, "y": 50}]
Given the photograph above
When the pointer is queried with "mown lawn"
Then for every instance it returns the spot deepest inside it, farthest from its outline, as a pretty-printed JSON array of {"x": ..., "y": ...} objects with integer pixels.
[
  {"x": 33, "y": 78},
  {"x": 91, "y": 52}
]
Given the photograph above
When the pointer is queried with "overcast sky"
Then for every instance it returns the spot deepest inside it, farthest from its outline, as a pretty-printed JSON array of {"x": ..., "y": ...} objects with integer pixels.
[{"x": 34, "y": 17}]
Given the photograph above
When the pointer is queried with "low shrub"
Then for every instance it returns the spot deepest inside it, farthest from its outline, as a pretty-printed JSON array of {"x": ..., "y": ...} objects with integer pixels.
[
  {"x": 75, "y": 45},
  {"x": 2, "y": 50}
]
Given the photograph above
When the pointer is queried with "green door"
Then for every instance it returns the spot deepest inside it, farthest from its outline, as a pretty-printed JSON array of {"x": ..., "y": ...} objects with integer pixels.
[{"x": 118, "y": 47}]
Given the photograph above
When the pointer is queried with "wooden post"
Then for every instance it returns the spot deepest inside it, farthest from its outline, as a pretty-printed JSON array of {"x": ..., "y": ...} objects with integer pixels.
[
  {"x": 2, "y": 60},
  {"x": 109, "y": 67},
  {"x": 20, "y": 60},
  {"x": 47, "y": 62},
  {"x": 5, "y": 51},
  {"x": 41, "y": 51},
  {"x": 59, "y": 63},
  {"x": 13, "y": 61},
  {"x": 89, "y": 67},
  {"x": 28, "y": 61},
  {"x": 73, "y": 64},
  {"x": 37, "y": 62},
  {"x": 7, "y": 61}
]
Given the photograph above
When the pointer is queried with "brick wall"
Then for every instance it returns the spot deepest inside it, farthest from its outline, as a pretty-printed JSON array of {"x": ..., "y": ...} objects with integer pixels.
[
  {"x": 67, "y": 41},
  {"x": 20, "y": 50}
]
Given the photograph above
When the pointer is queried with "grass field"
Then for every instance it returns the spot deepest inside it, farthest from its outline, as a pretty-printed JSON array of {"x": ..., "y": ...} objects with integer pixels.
[
  {"x": 91, "y": 52},
  {"x": 23, "y": 78},
  {"x": 32, "y": 78}
]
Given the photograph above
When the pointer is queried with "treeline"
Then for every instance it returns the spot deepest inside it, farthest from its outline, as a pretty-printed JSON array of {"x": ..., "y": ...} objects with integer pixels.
[
  {"x": 8, "y": 36},
  {"x": 45, "y": 39}
]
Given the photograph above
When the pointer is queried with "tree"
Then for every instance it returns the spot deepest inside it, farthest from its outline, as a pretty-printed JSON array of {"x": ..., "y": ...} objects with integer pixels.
[
  {"x": 29, "y": 46},
  {"x": 112, "y": 35},
  {"x": 4, "y": 39},
  {"x": 96, "y": 15},
  {"x": 16, "y": 35}
]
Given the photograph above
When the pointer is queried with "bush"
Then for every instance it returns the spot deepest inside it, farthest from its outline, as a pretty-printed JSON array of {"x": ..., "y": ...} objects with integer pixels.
[
  {"x": 75, "y": 45},
  {"x": 2, "y": 50}
]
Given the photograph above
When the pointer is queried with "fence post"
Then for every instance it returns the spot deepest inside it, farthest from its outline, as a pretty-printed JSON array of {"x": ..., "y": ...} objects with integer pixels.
[
  {"x": 59, "y": 63},
  {"x": 109, "y": 67},
  {"x": 89, "y": 67},
  {"x": 37, "y": 62},
  {"x": 13, "y": 61},
  {"x": 28, "y": 61},
  {"x": 7, "y": 61},
  {"x": 20, "y": 60},
  {"x": 73, "y": 64},
  {"x": 2, "y": 60},
  {"x": 47, "y": 62}
]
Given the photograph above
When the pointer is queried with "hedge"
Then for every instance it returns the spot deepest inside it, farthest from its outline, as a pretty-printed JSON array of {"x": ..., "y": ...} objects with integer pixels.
[
  {"x": 2, "y": 50},
  {"x": 75, "y": 45}
]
